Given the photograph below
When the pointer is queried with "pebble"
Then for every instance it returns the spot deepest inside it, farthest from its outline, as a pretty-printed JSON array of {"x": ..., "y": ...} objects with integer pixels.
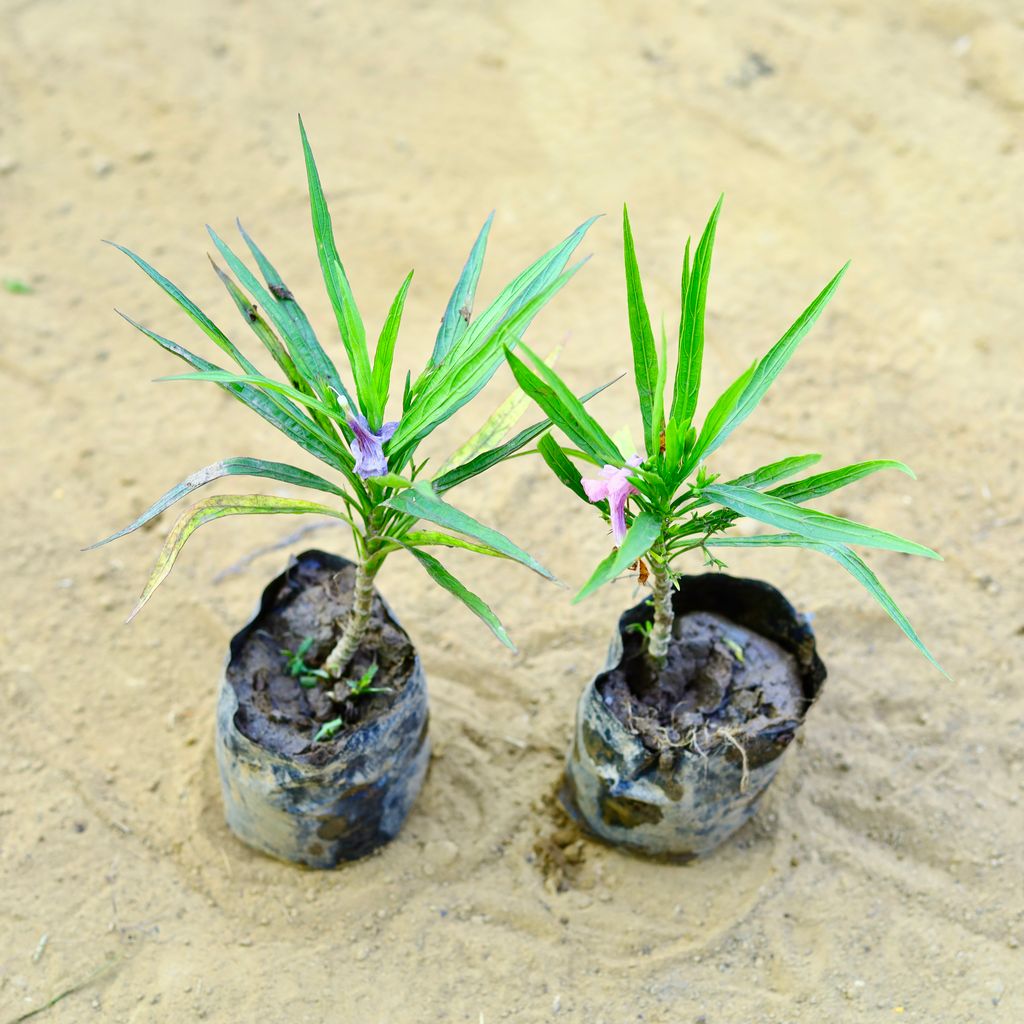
[
  {"x": 440, "y": 853},
  {"x": 8, "y": 164},
  {"x": 101, "y": 166}
]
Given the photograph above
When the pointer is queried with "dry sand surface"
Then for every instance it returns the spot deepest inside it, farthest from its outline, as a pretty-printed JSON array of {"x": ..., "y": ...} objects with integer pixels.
[{"x": 882, "y": 877}]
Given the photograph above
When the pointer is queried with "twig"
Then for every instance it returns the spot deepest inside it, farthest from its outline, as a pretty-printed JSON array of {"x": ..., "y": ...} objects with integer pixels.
[
  {"x": 71, "y": 990},
  {"x": 40, "y": 948}
]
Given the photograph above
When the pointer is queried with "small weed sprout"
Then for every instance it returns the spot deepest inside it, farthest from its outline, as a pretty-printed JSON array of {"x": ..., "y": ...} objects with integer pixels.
[{"x": 668, "y": 501}]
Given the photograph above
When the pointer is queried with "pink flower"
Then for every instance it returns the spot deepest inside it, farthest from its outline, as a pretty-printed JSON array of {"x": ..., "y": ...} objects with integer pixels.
[
  {"x": 369, "y": 446},
  {"x": 614, "y": 485}
]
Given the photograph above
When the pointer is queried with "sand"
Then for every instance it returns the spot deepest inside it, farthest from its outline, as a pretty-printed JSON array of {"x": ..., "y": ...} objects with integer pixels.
[{"x": 881, "y": 879}]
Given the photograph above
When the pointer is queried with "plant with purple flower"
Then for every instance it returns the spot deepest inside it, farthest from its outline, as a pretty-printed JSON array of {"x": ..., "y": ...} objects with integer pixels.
[
  {"x": 377, "y": 480},
  {"x": 669, "y": 502}
]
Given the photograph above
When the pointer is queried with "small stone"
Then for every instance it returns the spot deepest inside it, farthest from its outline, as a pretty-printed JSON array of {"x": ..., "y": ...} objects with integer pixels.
[
  {"x": 101, "y": 166},
  {"x": 8, "y": 165},
  {"x": 556, "y": 1004},
  {"x": 440, "y": 852}
]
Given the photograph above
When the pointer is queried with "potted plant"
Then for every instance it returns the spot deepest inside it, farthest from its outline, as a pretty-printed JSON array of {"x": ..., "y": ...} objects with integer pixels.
[
  {"x": 708, "y": 679},
  {"x": 322, "y": 718}
]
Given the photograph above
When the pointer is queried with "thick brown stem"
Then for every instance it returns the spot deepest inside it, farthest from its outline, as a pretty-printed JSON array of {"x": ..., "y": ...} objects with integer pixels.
[
  {"x": 661, "y": 632},
  {"x": 355, "y": 628}
]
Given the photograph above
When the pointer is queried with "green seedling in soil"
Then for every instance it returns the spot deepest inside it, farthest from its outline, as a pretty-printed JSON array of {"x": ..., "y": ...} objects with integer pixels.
[
  {"x": 297, "y": 667},
  {"x": 362, "y": 685},
  {"x": 329, "y": 730},
  {"x": 376, "y": 478},
  {"x": 669, "y": 500},
  {"x": 356, "y": 688},
  {"x": 15, "y": 287}
]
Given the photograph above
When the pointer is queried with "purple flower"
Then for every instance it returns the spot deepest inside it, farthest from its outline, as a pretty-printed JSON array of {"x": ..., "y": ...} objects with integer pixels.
[
  {"x": 614, "y": 485},
  {"x": 369, "y": 446}
]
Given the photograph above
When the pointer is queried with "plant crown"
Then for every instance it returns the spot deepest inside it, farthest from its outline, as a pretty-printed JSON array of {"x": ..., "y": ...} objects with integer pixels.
[
  {"x": 377, "y": 484},
  {"x": 668, "y": 501}
]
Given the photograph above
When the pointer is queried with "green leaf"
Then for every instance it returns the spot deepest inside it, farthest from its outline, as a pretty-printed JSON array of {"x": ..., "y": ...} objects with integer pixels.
[
  {"x": 824, "y": 483},
  {"x": 808, "y": 522},
  {"x": 532, "y": 282},
  {"x": 496, "y": 427},
  {"x": 426, "y": 538},
  {"x": 546, "y": 388},
  {"x": 772, "y": 364},
  {"x": 691, "y": 322},
  {"x": 350, "y": 323},
  {"x": 850, "y": 561},
  {"x": 642, "y": 533},
  {"x": 275, "y": 410},
  {"x": 216, "y": 508},
  {"x": 460, "y": 305},
  {"x": 645, "y": 356},
  {"x": 209, "y": 328},
  {"x": 385, "y": 351},
  {"x": 267, "y": 383},
  {"x": 421, "y": 502},
  {"x": 309, "y": 356},
  {"x": 765, "y": 476},
  {"x": 260, "y": 327},
  {"x": 441, "y": 575},
  {"x": 559, "y": 464},
  {"x": 719, "y": 415},
  {"x": 466, "y": 371},
  {"x": 227, "y": 467},
  {"x": 485, "y": 460}
]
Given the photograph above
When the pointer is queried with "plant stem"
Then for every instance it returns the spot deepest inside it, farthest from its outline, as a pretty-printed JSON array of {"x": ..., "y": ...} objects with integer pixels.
[
  {"x": 661, "y": 632},
  {"x": 358, "y": 620}
]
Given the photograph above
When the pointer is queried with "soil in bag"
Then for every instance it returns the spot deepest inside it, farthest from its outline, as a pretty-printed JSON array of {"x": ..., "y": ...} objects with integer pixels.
[
  {"x": 718, "y": 678},
  {"x": 274, "y": 710}
]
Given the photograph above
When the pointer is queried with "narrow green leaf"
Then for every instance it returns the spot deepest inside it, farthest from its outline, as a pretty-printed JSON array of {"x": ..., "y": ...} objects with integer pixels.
[
  {"x": 772, "y": 364},
  {"x": 824, "y": 483},
  {"x": 809, "y": 522},
  {"x": 460, "y": 306},
  {"x": 559, "y": 464},
  {"x": 385, "y": 351},
  {"x": 209, "y": 328},
  {"x": 642, "y": 533},
  {"x": 466, "y": 372},
  {"x": 350, "y": 323},
  {"x": 765, "y": 476},
  {"x": 250, "y": 313},
  {"x": 257, "y": 379},
  {"x": 495, "y": 428},
  {"x": 691, "y": 322},
  {"x": 215, "y": 508},
  {"x": 547, "y": 389},
  {"x": 427, "y": 538},
  {"x": 307, "y": 352},
  {"x": 645, "y": 357},
  {"x": 850, "y": 561},
  {"x": 439, "y": 574},
  {"x": 519, "y": 293},
  {"x": 719, "y": 415},
  {"x": 227, "y": 467},
  {"x": 421, "y": 501},
  {"x": 485, "y": 460},
  {"x": 275, "y": 410}
]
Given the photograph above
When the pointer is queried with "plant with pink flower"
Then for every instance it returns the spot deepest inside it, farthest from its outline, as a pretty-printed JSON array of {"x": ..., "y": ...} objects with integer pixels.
[{"x": 669, "y": 501}]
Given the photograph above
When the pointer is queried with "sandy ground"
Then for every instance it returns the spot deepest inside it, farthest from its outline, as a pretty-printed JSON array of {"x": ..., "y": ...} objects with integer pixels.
[{"x": 882, "y": 878}]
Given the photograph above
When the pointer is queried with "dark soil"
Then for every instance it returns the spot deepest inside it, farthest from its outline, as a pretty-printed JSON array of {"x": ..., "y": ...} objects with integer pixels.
[
  {"x": 717, "y": 676},
  {"x": 273, "y": 709}
]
